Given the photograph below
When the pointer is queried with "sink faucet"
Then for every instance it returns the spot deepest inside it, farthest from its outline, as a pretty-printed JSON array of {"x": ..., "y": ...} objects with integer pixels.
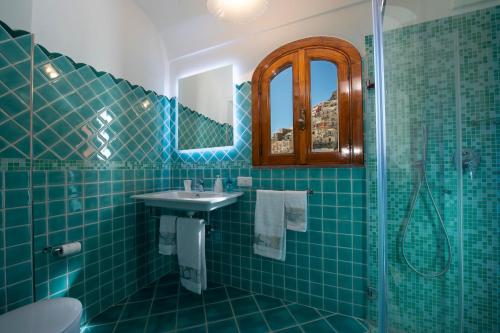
[{"x": 199, "y": 185}]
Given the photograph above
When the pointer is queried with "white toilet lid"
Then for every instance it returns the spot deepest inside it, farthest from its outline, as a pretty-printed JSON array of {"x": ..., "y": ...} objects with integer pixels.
[{"x": 49, "y": 316}]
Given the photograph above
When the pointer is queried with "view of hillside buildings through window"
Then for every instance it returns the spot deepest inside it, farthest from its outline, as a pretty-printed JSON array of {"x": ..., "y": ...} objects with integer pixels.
[
  {"x": 324, "y": 125},
  {"x": 324, "y": 109}
]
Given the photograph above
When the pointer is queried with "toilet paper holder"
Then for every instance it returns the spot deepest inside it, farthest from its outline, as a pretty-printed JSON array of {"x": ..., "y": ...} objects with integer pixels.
[
  {"x": 64, "y": 250},
  {"x": 54, "y": 250}
]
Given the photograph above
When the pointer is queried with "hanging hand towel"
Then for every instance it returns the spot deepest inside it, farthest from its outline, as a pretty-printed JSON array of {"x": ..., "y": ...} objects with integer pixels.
[
  {"x": 296, "y": 210},
  {"x": 191, "y": 254},
  {"x": 166, "y": 244},
  {"x": 270, "y": 232}
]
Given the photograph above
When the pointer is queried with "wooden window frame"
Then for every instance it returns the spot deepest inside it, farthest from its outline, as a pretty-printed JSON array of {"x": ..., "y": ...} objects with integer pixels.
[{"x": 298, "y": 54}]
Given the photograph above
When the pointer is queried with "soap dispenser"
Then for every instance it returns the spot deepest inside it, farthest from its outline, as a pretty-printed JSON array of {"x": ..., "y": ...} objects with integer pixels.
[{"x": 218, "y": 185}]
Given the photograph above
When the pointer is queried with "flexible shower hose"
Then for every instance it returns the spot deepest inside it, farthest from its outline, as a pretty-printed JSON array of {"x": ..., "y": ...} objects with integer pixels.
[{"x": 423, "y": 180}]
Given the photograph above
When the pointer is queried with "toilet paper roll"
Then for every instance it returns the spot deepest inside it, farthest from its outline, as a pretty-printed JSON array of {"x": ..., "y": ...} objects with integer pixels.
[{"x": 69, "y": 249}]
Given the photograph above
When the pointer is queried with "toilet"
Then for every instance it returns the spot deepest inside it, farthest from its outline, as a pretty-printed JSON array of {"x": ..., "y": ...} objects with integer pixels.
[{"x": 58, "y": 315}]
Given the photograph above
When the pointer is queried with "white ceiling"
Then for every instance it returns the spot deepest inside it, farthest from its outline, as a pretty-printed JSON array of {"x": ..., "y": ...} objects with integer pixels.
[{"x": 187, "y": 27}]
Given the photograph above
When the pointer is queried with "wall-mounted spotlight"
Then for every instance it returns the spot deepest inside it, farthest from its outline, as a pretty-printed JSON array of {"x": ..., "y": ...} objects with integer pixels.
[
  {"x": 50, "y": 71},
  {"x": 145, "y": 104}
]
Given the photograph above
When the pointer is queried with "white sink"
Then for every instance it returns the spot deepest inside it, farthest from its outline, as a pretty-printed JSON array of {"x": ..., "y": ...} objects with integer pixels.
[{"x": 189, "y": 201}]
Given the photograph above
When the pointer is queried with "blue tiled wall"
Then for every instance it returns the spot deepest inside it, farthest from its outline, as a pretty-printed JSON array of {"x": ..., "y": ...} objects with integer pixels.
[
  {"x": 326, "y": 266},
  {"x": 97, "y": 140},
  {"x": 15, "y": 207},
  {"x": 93, "y": 206},
  {"x": 435, "y": 73}
]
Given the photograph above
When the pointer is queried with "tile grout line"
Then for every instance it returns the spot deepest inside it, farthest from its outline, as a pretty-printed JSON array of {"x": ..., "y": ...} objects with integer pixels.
[
  {"x": 234, "y": 318},
  {"x": 121, "y": 315},
  {"x": 151, "y": 306},
  {"x": 203, "y": 305},
  {"x": 293, "y": 317},
  {"x": 177, "y": 305},
  {"x": 262, "y": 312}
]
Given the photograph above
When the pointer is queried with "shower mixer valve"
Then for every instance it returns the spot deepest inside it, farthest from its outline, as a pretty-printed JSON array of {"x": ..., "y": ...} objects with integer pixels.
[{"x": 470, "y": 161}]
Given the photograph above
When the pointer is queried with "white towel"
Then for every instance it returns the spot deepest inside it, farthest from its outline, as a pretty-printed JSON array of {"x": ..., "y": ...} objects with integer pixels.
[
  {"x": 191, "y": 254},
  {"x": 270, "y": 231},
  {"x": 167, "y": 239},
  {"x": 296, "y": 210}
]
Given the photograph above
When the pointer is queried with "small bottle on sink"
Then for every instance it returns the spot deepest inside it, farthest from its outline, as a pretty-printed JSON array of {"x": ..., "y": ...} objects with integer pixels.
[{"x": 218, "y": 185}]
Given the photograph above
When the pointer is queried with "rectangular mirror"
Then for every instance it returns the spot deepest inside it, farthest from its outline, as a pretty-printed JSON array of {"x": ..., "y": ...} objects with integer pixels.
[{"x": 205, "y": 109}]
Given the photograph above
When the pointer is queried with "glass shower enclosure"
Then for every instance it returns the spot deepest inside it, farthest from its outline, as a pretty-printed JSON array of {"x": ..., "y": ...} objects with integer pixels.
[{"x": 433, "y": 165}]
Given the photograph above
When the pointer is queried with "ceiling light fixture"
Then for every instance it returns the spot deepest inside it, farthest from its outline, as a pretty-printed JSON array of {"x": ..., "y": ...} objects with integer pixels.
[{"x": 237, "y": 11}]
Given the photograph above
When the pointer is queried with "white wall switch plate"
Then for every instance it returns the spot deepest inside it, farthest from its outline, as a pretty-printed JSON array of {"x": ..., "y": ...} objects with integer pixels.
[{"x": 244, "y": 181}]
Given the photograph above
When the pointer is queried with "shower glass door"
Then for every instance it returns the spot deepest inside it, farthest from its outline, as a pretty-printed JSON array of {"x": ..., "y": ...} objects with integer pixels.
[{"x": 442, "y": 102}]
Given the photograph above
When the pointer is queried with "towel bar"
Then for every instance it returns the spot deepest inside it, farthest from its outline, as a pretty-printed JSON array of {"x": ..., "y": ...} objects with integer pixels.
[{"x": 158, "y": 217}]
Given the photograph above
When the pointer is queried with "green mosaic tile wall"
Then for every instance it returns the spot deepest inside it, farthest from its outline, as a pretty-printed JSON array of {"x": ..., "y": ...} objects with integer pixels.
[
  {"x": 434, "y": 72},
  {"x": 15, "y": 207},
  {"x": 326, "y": 266},
  {"x": 199, "y": 131}
]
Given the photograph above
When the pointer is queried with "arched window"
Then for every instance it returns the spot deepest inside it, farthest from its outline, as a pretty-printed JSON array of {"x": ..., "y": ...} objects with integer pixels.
[{"x": 307, "y": 105}]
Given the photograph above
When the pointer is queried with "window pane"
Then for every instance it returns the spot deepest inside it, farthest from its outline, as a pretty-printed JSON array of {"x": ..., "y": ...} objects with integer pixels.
[
  {"x": 281, "y": 96},
  {"x": 324, "y": 107}
]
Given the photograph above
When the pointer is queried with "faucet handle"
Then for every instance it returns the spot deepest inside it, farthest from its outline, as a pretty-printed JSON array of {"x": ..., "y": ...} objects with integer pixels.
[{"x": 201, "y": 181}]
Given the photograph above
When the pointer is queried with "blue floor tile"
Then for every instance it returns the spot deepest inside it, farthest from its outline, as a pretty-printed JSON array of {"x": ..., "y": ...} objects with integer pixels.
[
  {"x": 190, "y": 317},
  {"x": 135, "y": 310},
  {"x": 243, "y": 306},
  {"x": 253, "y": 323},
  {"x": 143, "y": 294},
  {"x": 295, "y": 329},
  {"x": 131, "y": 326},
  {"x": 318, "y": 326},
  {"x": 303, "y": 313},
  {"x": 99, "y": 329},
  {"x": 218, "y": 311},
  {"x": 163, "y": 305},
  {"x": 345, "y": 324},
  {"x": 226, "y": 326},
  {"x": 215, "y": 295},
  {"x": 279, "y": 318},
  {"x": 111, "y": 315},
  {"x": 190, "y": 300},
  {"x": 266, "y": 302},
  {"x": 166, "y": 307},
  {"x": 161, "y": 323},
  {"x": 197, "y": 329}
]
